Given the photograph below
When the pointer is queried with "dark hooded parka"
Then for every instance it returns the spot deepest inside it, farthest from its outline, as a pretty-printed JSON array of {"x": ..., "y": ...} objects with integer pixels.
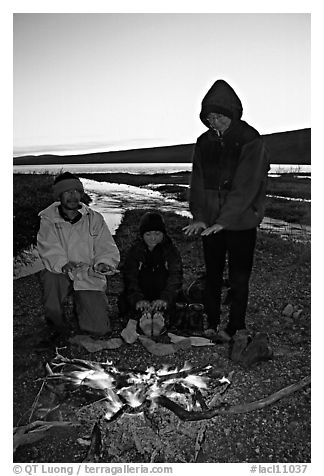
[
  {"x": 229, "y": 176},
  {"x": 228, "y": 188}
]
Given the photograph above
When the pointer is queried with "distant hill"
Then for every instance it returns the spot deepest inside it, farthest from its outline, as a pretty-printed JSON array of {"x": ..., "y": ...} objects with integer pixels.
[
  {"x": 173, "y": 153},
  {"x": 292, "y": 147}
]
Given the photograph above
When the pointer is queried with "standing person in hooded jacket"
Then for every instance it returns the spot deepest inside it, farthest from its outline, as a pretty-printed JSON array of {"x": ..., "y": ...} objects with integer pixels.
[
  {"x": 227, "y": 202},
  {"x": 77, "y": 251},
  {"x": 152, "y": 273}
]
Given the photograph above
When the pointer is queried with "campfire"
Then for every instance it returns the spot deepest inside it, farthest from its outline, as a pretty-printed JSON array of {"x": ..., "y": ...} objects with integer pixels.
[
  {"x": 135, "y": 409},
  {"x": 182, "y": 390}
]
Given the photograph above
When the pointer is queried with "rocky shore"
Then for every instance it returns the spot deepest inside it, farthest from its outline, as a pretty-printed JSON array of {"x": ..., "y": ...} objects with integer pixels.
[{"x": 277, "y": 433}]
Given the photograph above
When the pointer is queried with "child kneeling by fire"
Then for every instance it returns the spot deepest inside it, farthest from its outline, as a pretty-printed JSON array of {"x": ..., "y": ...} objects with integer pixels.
[{"x": 152, "y": 275}]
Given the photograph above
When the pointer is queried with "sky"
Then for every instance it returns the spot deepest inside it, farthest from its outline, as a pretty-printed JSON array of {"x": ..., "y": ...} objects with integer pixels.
[{"x": 113, "y": 81}]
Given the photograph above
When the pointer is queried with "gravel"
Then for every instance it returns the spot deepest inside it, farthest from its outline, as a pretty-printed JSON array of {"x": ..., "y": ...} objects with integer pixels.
[{"x": 278, "y": 433}]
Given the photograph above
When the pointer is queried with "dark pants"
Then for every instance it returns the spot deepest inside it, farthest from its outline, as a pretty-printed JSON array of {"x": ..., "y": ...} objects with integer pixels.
[
  {"x": 91, "y": 306},
  {"x": 151, "y": 285},
  {"x": 239, "y": 247}
]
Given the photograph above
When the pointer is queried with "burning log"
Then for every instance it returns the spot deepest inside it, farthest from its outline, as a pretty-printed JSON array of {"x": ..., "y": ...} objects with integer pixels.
[{"x": 225, "y": 409}]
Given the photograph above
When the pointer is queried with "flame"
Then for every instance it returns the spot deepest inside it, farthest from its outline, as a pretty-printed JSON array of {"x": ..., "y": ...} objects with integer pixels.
[
  {"x": 146, "y": 377},
  {"x": 92, "y": 378},
  {"x": 165, "y": 371},
  {"x": 113, "y": 404},
  {"x": 179, "y": 386},
  {"x": 196, "y": 381},
  {"x": 112, "y": 408},
  {"x": 187, "y": 366},
  {"x": 155, "y": 391},
  {"x": 134, "y": 397}
]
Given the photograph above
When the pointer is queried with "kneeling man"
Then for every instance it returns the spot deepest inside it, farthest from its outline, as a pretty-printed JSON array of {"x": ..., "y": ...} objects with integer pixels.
[{"x": 77, "y": 251}]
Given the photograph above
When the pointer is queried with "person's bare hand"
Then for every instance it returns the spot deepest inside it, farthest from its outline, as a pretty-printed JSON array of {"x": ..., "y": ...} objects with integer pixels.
[
  {"x": 159, "y": 305},
  {"x": 142, "y": 305},
  {"x": 70, "y": 266},
  {"x": 212, "y": 230},
  {"x": 105, "y": 268},
  {"x": 194, "y": 228}
]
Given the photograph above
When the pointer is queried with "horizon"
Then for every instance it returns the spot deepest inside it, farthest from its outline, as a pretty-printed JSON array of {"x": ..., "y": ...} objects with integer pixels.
[
  {"x": 65, "y": 150},
  {"x": 134, "y": 80}
]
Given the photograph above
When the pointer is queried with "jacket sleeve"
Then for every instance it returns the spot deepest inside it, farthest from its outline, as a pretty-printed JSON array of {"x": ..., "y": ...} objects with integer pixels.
[
  {"x": 49, "y": 248},
  {"x": 130, "y": 274},
  {"x": 174, "y": 283},
  {"x": 196, "y": 190},
  {"x": 249, "y": 178},
  {"x": 104, "y": 246}
]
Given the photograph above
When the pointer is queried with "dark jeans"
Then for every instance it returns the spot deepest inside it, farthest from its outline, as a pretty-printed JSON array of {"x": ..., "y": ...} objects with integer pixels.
[{"x": 239, "y": 247}]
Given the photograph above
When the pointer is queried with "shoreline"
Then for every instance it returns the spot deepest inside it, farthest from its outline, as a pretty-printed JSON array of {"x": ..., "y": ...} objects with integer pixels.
[
  {"x": 140, "y": 168},
  {"x": 166, "y": 191}
]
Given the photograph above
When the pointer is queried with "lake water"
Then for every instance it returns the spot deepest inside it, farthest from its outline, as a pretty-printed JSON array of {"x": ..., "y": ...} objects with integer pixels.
[
  {"x": 149, "y": 168},
  {"x": 112, "y": 199}
]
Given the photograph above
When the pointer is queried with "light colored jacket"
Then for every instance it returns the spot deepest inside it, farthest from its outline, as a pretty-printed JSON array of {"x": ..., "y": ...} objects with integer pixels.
[{"x": 87, "y": 241}]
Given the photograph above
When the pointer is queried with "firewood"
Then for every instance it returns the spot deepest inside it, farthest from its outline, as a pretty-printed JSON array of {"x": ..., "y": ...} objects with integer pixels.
[
  {"x": 199, "y": 440},
  {"x": 27, "y": 434},
  {"x": 94, "y": 451},
  {"x": 225, "y": 409}
]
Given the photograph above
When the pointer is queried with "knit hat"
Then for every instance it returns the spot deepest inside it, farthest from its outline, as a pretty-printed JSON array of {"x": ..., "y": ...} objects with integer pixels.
[
  {"x": 65, "y": 182},
  {"x": 151, "y": 221}
]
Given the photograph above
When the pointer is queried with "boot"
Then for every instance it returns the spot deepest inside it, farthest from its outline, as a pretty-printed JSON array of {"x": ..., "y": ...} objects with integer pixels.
[
  {"x": 240, "y": 341},
  {"x": 258, "y": 350},
  {"x": 196, "y": 319},
  {"x": 180, "y": 315}
]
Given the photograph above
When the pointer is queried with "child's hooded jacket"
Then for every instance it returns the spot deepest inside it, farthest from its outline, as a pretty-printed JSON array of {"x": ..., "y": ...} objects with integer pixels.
[{"x": 150, "y": 275}]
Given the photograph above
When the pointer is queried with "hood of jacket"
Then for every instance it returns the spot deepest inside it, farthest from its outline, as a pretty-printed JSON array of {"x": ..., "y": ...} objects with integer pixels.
[
  {"x": 52, "y": 213},
  {"x": 221, "y": 98}
]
